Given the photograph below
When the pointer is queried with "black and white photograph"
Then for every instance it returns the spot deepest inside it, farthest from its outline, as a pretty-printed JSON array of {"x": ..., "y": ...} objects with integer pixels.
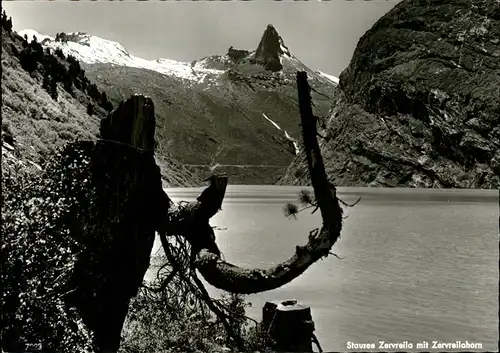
[{"x": 250, "y": 176}]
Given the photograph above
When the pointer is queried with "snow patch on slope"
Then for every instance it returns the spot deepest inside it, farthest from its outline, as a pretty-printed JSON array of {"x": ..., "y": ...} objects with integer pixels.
[
  {"x": 286, "y": 53},
  {"x": 287, "y": 135},
  {"x": 330, "y": 77},
  {"x": 92, "y": 50},
  {"x": 284, "y": 49}
]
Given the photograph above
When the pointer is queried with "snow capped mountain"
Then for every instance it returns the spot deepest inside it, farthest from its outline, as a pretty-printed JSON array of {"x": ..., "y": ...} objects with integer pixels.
[
  {"x": 233, "y": 112},
  {"x": 92, "y": 50},
  {"x": 271, "y": 53}
]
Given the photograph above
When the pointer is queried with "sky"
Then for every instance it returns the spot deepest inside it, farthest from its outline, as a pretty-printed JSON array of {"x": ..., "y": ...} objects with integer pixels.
[{"x": 323, "y": 35}]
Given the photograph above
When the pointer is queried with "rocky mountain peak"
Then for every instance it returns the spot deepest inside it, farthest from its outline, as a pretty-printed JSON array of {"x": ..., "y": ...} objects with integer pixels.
[
  {"x": 77, "y": 37},
  {"x": 270, "y": 49}
]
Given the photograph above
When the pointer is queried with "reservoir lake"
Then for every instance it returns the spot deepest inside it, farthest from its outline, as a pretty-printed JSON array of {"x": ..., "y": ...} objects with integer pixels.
[{"x": 418, "y": 264}]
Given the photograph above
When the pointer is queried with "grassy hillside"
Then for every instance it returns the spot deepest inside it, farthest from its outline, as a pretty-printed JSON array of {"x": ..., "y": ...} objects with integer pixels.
[
  {"x": 48, "y": 102},
  {"x": 33, "y": 122}
]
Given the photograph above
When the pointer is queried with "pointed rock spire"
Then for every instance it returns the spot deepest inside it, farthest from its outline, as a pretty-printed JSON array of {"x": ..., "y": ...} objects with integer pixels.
[{"x": 270, "y": 49}]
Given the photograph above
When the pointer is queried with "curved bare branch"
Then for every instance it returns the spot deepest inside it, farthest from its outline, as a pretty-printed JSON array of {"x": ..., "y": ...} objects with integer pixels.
[{"x": 239, "y": 280}]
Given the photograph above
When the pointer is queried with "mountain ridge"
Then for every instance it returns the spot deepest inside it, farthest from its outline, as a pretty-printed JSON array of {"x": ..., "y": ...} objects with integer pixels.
[
  {"x": 115, "y": 53},
  {"x": 220, "y": 113}
]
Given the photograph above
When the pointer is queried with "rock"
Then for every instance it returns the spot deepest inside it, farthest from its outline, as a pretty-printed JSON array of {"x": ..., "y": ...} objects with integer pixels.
[
  {"x": 269, "y": 50},
  {"x": 423, "y": 80},
  {"x": 235, "y": 55},
  {"x": 8, "y": 147},
  {"x": 8, "y": 138}
]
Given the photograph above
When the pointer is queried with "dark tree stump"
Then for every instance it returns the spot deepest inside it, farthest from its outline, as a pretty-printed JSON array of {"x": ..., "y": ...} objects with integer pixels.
[
  {"x": 125, "y": 203},
  {"x": 289, "y": 324}
]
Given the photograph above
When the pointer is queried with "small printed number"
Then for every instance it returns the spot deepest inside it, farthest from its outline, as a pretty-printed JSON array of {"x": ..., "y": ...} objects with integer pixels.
[{"x": 33, "y": 347}]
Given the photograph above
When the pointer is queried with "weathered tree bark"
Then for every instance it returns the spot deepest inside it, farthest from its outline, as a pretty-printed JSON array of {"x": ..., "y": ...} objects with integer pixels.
[
  {"x": 117, "y": 229},
  {"x": 239, "y": 280},
  {"x": 192, "y": 220}
]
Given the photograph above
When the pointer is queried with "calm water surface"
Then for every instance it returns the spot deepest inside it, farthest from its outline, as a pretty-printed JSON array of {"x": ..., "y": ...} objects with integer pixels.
[{"x": 419, "y": 264}]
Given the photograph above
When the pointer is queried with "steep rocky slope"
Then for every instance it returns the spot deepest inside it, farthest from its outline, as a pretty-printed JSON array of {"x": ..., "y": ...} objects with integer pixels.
[
  {"x": 36, "y": 123},
  {"x": 234, "y": 113},
  {"x": 419, "y": 103}
]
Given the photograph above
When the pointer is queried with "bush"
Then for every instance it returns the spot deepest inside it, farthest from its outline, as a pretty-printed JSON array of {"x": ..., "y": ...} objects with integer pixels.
[
  {"x": 177, "y": 319},
  {"x": 30, "y": 56},
  {"x": 105, "y": 103},
  {"x": 46, "y": 82},
  {"x": 162, "y": 323},
  {"x": 156, "y": 324},
  {"x": 257, "y": 339},
  {"x": 94, "y": 92},
  {"x": 53, "y": 89},
  {"x": 6, "y": 22},
  {"x": 90, "y": 109},
  {"x": 59, "y": 53},
  {"x": 68, "y": 85},
  {"x": 38, "y": 255}
]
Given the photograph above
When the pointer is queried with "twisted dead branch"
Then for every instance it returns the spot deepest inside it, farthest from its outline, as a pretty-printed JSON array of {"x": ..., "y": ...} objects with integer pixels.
[{"x": 192, "y": 222}]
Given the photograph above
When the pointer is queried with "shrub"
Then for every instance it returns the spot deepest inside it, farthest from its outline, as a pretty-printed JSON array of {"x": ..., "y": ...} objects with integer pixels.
[
  {"x": 68, "y": 85},
  {"x": 178, "y": 319},
  {"x": 90, "y": 109},
  {"x": 59, "y": 53},
  {"x": 53, "y": 89},
  {"x": 94, "y": 92},
  {"x": 31, "y": 55},
  {"x": 38, "y": 254},
  {"x": 162, "y": 323},
  {"x": 46, "y": 82},
  {"x": 6, "y": 23},
  {"x": 14, "y": 50}
]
